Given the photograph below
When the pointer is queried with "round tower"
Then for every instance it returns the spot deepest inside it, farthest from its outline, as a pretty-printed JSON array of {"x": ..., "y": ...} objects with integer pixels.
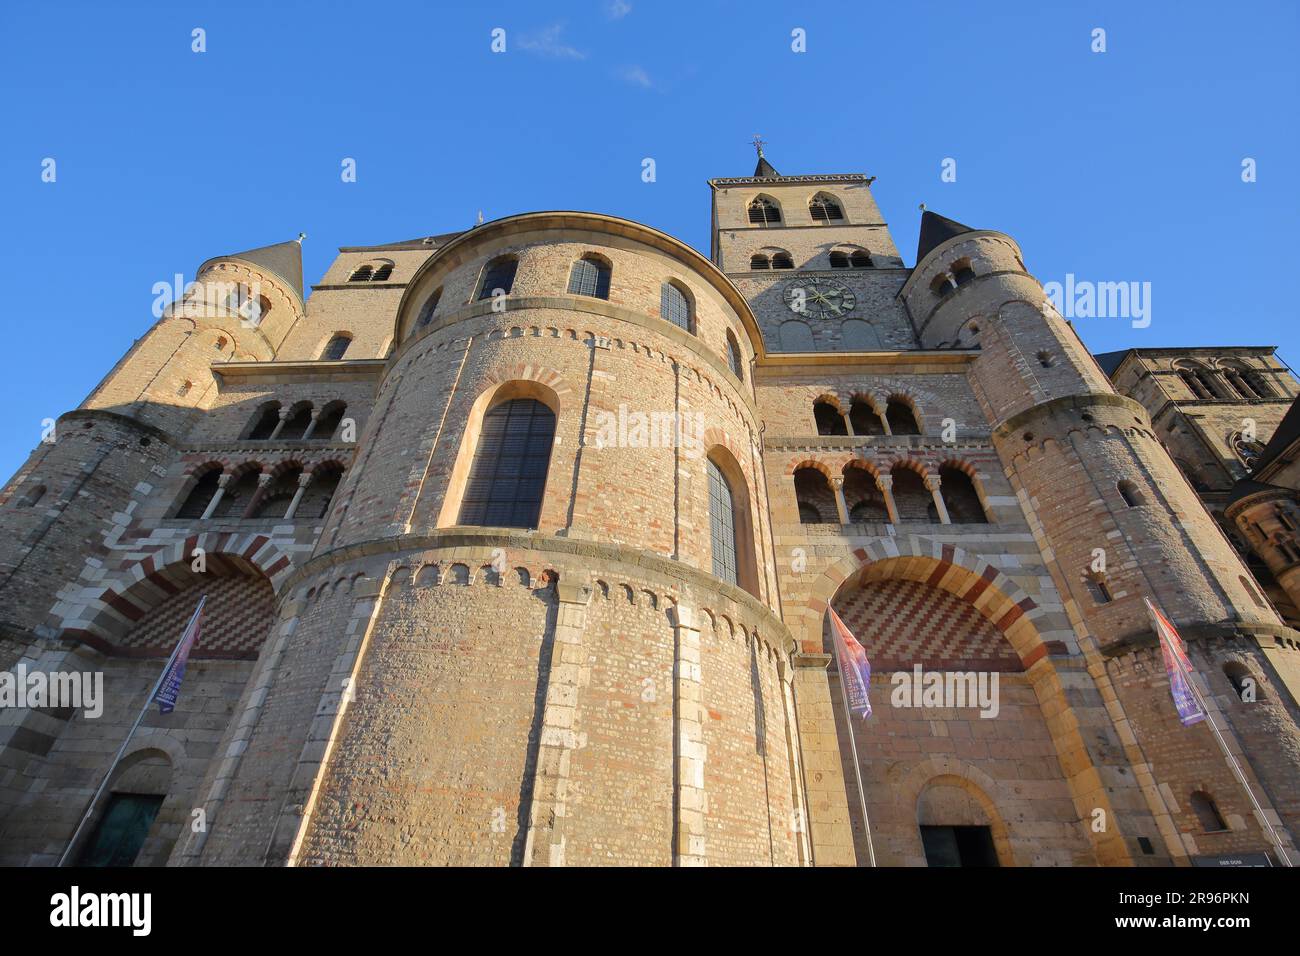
[
  {"x": 549, "y": 574},
  {"x": 1115, "y": 516}
]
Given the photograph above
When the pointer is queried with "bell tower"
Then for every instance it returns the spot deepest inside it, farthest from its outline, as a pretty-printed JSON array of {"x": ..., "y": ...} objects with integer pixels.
[{"x": 813, "y": 256}]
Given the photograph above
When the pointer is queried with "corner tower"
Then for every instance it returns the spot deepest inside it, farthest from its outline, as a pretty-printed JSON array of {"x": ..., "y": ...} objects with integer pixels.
[{"x": 1117, "y": 522}]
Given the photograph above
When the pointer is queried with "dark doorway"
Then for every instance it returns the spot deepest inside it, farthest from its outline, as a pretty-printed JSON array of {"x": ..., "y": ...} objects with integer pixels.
[
  {"x": 958, "y": 846},
  {"x": 121, "y": 832}
]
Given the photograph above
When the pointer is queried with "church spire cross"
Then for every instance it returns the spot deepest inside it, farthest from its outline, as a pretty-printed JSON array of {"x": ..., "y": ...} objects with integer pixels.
[{"x": 759, "y": 143}]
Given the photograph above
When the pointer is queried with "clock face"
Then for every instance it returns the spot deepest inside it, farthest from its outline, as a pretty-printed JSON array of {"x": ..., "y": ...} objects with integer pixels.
[{"x": 819, "y": 298}]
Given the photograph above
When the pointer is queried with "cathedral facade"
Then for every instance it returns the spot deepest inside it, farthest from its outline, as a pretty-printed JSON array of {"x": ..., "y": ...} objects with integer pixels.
[{"x": 518, "y": 546}]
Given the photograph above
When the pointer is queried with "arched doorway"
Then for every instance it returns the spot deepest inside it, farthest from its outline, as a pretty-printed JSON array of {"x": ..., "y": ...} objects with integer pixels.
[{"x": 957, "y": 742}]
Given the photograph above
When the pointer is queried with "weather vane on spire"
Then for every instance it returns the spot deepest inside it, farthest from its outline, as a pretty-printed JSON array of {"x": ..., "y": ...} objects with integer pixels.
[{"x": 759, "y": 143}]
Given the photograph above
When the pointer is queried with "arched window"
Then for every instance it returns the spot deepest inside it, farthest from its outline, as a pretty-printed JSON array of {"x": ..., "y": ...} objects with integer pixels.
[
  {"x": 336, "y": 347},
  {"x": 902, "y": 420},
  {"x": 590, "y": 276},
  {"x": 268, "y": 416},
  {"x": 32, "y": 498},
  {"x": 1129, "y": 492},
  {"x": 912, "y": 499},
  {"x": 1098, "y": 588},
  {"x": 860, "y": 259},
  {"x": 1258, "y": 382},
  {"x": 196, "y": 502},
  {"x": 759, "y": 261},
  {"x": 941, "y": 285},
  {"x": 508, "y": 475},
  {"x": 863, "y": 498},
  {"x": 864, "y": 419},
  {"x": 816, "y": 500},
  {"x": 830, "y": 420},
  {"x": 328, "y": 422},
  {"x": 733, "y": 356},
  {"x": 825, "y": 208},
  {"x": 795, "y": 336},
  {"x": 1207, "y": 812},
  {"x": 361, "y": 274},
  {"x": 675, "y": 307},
  {"x": 722, "y": 525},
  {"x": 498, "y": 275},
  {"x": 320, "y": 491},
  {"x": 839, "y": 259},
  {"x": 427, "y": 310},
  {"x": 274, "y": 499},
  {"x": 382, "y": 273},
  {"x": 782, "y": 260},
  {"x": 962, "y": 272},
  {"x": 296, "y": 425},
  {"x": 960, "y": 496},
  {"x": 763, "y": 211}
]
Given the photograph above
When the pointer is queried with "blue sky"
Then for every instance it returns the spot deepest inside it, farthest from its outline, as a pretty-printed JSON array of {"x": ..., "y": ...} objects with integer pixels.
[{"x": 1123, "y": 165}]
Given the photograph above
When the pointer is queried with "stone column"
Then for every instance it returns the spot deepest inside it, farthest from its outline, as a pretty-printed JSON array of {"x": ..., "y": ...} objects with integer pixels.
[
  {"x": 688, "y": 744},
  {"x": 311, "y": 425},
  {"x": 263, "y": 480},
  {"x": 886, "y": 485},
  {"x": 548, "y": 808},
  {"x": 216, "y": 499},
  {"x": 932, "y": 483},
  {"x": 799, "y": 825},
  {"x": 830, "y": 824},
  {"x": 837, "y": 484},
  {"x": 303, "y": 481},
  {"x": 279, "y": 426},
  {"x": 881, "y": 407}
]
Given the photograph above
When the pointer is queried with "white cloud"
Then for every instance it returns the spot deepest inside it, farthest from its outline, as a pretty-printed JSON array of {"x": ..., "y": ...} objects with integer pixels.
[
  {"x": 617, "y": 9},
  {"x": 636, "y": 76},
  {"x": 549, "y": 42}
]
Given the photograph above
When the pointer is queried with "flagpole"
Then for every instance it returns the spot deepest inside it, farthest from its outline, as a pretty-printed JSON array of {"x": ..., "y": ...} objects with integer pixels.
[
  {"x": 1236, "y": 767},
  {"x": 853, "y": 743},
  {"x": 90, "y": 808}
]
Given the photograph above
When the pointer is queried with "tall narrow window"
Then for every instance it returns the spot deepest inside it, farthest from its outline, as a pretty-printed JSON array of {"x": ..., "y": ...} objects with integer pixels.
[
  {"x": 733, "y": 357},
  {"x": 825, "y": 209},
  {"x": 722, "y": 525},
  {"x": 508, "y": 475},
  {"x": 426, "y": 313},
  {"x": 590, "y": 276},
  {"x": 1129, "y": 492},
  {"x": 675, "y": 307},
  {"x": 336, "y": 348},
  {"x": 499, "y": 274},
  {"x": 763, "y": 211}
]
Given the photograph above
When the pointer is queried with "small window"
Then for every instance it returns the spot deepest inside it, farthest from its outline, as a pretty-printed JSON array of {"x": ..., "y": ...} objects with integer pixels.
[
  {"x": 675, "y": 307},
  {"x": 1045, "y": 359},
  {"x": 860, "y": 260},
  {"x": 498, "y": 277},
  {"x": 759, "y": 261},
  {"x": 962, "y": 273},
  {"x": 965, "y": 846},
  {"x": 733, "y": 356},
  {"x": 336, "y": 348},
  {"x": 901, "y": 418},
  {"x": 839, "y": 260},
  {"x": 361, "y": 274},
  {"x": 782, "y": 260},
  {"x": 426, "y": 313},
  {"x": 184, "y": 387},
  {"x": 1129, "y": 492},
  {"x": 382, "y": 273},
  {"x": 941, "y": 285},
  {"x": 830, "y": 421},
  {"x": 764, "y": 212},
  {"x": 590, "y": 277},
  {"x": 1243, "y": 682},
  {"x": 1098, "y": 589},
  {"x": 1207, "y": 812},
  {"x": 825, "y": 209}
]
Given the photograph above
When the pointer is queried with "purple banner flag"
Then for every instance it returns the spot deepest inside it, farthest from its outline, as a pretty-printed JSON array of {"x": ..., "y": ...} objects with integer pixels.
[
  {"x": 1178, "y": 667},
  {"x": 855, "y": 669},
  {"x": 169, "y": 687}
]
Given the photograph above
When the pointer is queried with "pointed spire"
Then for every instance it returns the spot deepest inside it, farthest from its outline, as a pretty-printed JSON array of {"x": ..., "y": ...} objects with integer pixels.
[
  {"x": 283, "y": 258},
  {"x": 764, "y": 169},
  {"x": 935, "y": 231}
]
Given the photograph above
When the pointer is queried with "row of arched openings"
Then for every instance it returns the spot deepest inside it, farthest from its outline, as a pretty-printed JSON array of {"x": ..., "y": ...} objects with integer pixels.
[
  {"x": 301, "y": 421},
  {"x": 864, "y": 418},
  {"x": 868, "y": 500},
  {"x": 286, "y": 491},
  {"x": 823, "y": 207},
  {"x": 1228, "y": 383},
  {"x": 772, "y": 258},
  {"x": 591, "y": 276}
]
